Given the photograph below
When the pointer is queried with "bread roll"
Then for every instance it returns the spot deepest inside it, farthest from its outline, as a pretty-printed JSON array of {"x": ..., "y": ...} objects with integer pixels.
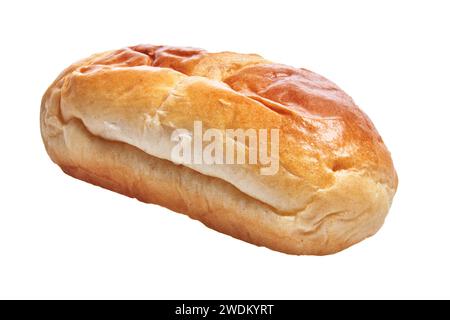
[{"x": 109, "y": 120}]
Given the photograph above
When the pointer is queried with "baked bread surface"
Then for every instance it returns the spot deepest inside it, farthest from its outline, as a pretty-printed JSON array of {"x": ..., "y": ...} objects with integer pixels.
[{"x": 108, "y": 120}]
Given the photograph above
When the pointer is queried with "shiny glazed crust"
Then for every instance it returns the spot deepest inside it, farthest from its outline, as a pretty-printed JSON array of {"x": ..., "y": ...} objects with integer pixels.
[{"x": 107, "y": 120}]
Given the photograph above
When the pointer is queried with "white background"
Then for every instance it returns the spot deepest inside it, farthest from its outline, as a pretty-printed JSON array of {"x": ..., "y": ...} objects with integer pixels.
[{"x": 64, "y": 238}]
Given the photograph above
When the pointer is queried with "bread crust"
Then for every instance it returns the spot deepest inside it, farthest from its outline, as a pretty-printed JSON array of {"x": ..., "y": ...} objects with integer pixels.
[{"x": 102, "y": 118}]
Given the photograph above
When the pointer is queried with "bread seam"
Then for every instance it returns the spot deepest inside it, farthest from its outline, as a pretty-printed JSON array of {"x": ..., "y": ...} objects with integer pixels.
[{"x": 283, "y": 243}]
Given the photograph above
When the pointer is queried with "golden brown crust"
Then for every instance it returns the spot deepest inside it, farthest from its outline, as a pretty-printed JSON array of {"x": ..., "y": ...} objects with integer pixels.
[{"x": 336, "y": 179}]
